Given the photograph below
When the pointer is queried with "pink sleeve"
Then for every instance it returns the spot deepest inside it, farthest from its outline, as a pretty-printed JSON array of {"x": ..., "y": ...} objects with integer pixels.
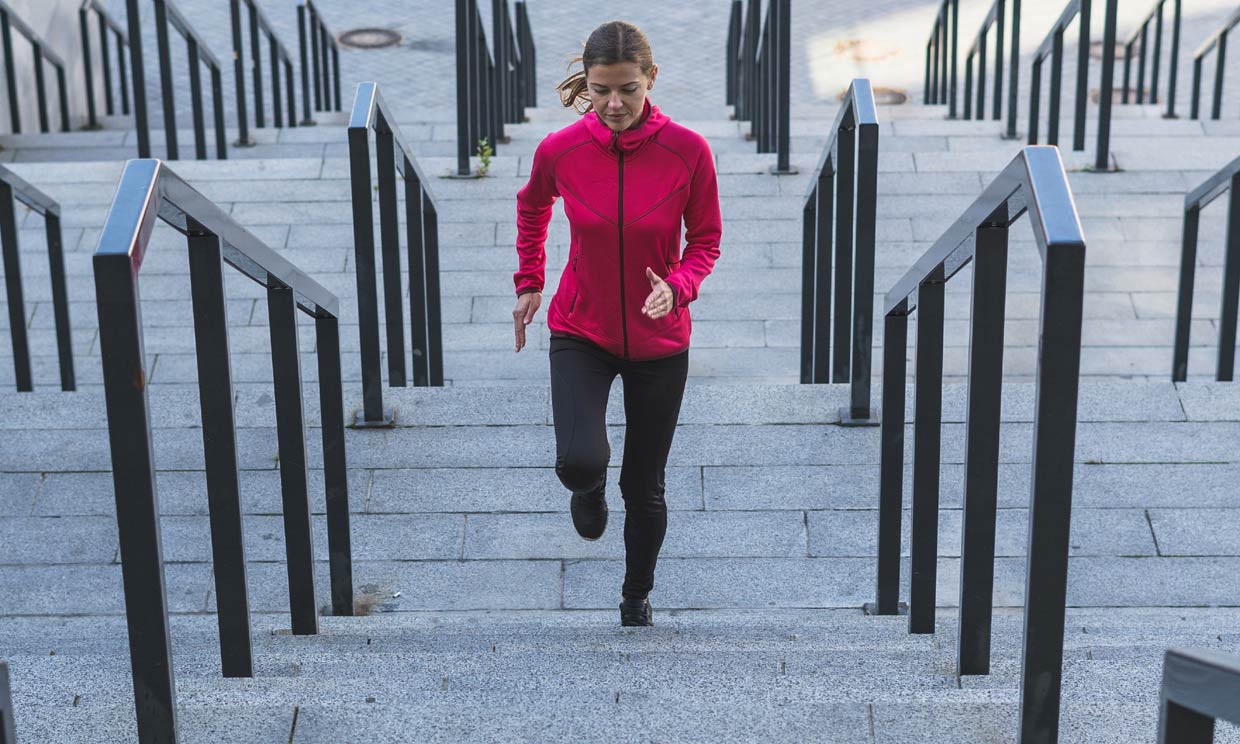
[
  {"x": 534, "y": 203},
  {"x": 703, "y": 228}
]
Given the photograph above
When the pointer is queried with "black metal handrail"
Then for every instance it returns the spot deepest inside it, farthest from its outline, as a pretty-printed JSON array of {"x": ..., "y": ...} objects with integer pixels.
[
  {"x": 1052, "y": 46},
  {"x": 941, "y": 72},
  {"x": 392, "y": 156},
  {"x": 150, "y": 190},
  {"x": 9, "y": 21},
  {"x": 13, "y": 189},
  {"x": 996, "y": 17},
  {"x": 763, "y": 79},
  {"x": 527, "y": 72},
  {"x": 7, "y": 727},
  {"x": 491, "y": 89},
  {"x": 280, "y": 57},
  {"x": 1034, "y": 182},
  {"x": 1198, "y": 687},
  {"x": 197, "y": 53},
  {"x": 106, "y": 24},
  {"x": 1140, "y": 38},
  {"x": 1227, "y": 181},
  {"x": 844, "y": 192},
  {"x": 324, "y": 63},
  {"x": 1216, "y": 41}
]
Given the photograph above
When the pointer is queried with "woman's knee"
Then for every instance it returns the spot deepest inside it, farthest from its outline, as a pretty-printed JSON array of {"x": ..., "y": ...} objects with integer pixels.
[{"x": 584, "y": 471}]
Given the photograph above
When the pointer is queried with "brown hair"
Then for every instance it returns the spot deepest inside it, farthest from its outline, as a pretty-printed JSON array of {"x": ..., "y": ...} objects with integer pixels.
[{"x": 611, "y": 43}]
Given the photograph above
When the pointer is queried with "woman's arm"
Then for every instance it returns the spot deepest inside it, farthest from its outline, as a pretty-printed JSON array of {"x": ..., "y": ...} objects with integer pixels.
[
  {"x": 703, "y": 228},
  {"x": 534, "y": 203}
]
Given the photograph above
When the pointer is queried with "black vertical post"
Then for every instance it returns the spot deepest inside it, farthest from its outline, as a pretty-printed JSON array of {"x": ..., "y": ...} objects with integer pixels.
[
  {"x": 415, "y": 239},
  {"x": 1195, "y": 99},
  {"x": 62, "y": 97},
  {"x": 1180, "y": 725},
  {"x": 925, "y": 95},
  {"x": 968, "y": 87},
  {"x": 434, "y": 321},
  {"x": 256, "y": 69},
  {"x": 955, "y": 33},
  {"x": 139, "y": 78},
  {"x": 1157, "y": 62},
  {"x": 122, "y": 77},
  {"x": 217, "y": 100},
  {"x": 137, "y": 508},
  {"x": 13, "y": 286},
  {"x": 1141, "y": 62},
  {"x": 306, "y": 118},
  {"x": 243, "y": 124},
  {"x": 40, "y": 88},
  {"x": 933, "y": 51},
  {"x": 1230, "y": 302},
  {"x": 92, "y": 115},
  {"x": 1082, "y": 74},
  {"x": 1014, "y": 71},
  {"x": 753, "y": 25},
  {"x": 1184, "y": 301},
  {"x": 291, "y": 432},
  {"x": 863, "y": 277},
  {"x": 364, "y": 263},
  {"x": 10, "y": 72},
  {"x": 783, "y": 44},
  {"x": 335, "y": 466},
  {"x": 1000, "y": 30},
  {"x": 195, "y": 99},
  {"x": 290, "y": 92},
  {"x": 165, "y": 78},
  {"x": 277, "y": 114},
  {"x": 1050, "y": 507},
  {"x": 809, "y": 239},
  {"x": 822, "y": 274},
  {"x": 463, "y": 103},
  {"x": 981, "y": 72},
  {"x": 60, "y": 298},
  {"x": 1035, "y": 95},
  {"x": 312, "y": 32},
  {"x": 891, "y": 469},
  {"x": 389, "y": 243},
  {"x": 219, "y": 442},
  {"x": 499, "y": 42},
  {"x": 8, "y": 733},
  {"x": 927, "y": 433},
  {"x": 1127, "y": 86},
  {"x": 1103, "y": 160},
  {"x": 106, "y": 70},
  {"x": 981, "y": 468},
  {"x": 1216, "y": 108},
  {"x": 526, "y": 37},
  {"x": 1174, "y": 63},
  {"x": 732, "y": 53},
  {"x": 1052, "y": 123},
  {"x": 326, "y": 54},
  {"x": 335, "y": 72},
  {"x": 846, "y": 167}
]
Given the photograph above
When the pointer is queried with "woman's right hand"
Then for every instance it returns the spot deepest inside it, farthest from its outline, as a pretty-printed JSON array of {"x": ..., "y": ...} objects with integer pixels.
[{"x": 523, "y": 314}]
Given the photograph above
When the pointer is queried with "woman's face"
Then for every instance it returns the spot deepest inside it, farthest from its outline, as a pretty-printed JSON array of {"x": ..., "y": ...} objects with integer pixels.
[{"x": 618, "y": 93}]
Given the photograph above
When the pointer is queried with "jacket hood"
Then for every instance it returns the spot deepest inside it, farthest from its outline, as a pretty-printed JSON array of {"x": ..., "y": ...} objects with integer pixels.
[{"x": 630, "y": 140}]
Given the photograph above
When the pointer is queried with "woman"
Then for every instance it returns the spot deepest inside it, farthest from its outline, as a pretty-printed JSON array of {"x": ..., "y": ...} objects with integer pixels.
[{"x": 629, "y": 176}]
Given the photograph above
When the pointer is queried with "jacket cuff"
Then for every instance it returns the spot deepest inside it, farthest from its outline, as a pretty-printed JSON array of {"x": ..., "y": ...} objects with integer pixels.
[{"x": 527, "y": 290}]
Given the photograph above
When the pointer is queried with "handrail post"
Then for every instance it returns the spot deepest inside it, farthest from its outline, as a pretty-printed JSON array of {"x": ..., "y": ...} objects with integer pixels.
[
  {"x": 955, "y": 31},
  {"x": 92, "y": 116},
  {"x": 928, "y": 418},
  {"x": 195, "y": 99},
  {"x": 418, "y": 300},
  {"x": 1014, "y": 72},
  {"x": 165, "y": 78},
  {"x": 863, "y": 276},
  {"x": 60, "y": 299},
  {"x": 1175, "y": 60},
  {"x": 1082, "y": 75},
  {"x": 306, "y": 118},
  {"x": 1230, "y": 301},
  {"x": 7, "y": 728},
  {"x": 219, "y": 443},
  {"x": 335, "y": 465},
  {"x": 243, "y": 116},
  {"x": 10, "y": 72},
  {"x": 463, "y": 102},
  {"x": 528, "y": 55},
  {"x": 1103, "y": 160},
  {"x": 1000, "y": 31},
  {"x": 1216, "y": 107},
  {"x": 809, "y": 240},
  {"x": 891, "y": 468},
  {"x": 1184, "y": 301},
  {"x": 732, "y": 53},
  {"x": 137, "y": 510},
  {"x": 845, "y": 207},
  {"x": 389, "y": 243},
  {"x": 981, "y": 478},
  {"x": 13, "y": 286}
]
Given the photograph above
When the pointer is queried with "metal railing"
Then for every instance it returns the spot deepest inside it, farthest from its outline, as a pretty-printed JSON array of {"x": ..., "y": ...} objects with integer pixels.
[
  {"x": 323, "y": 65},
  {"x": 197, "y": 54},
  {"x": 842, "y": 197},
  {"x": 13, "y": 189},
  {"x": 1140, "y": 39},
  {"x": 1198, "y": 687},
  {"x": 1052, "y": 47},
  {"x": 1034, "y": 182},
  {"x": 106, "y": 24},
  {"x": 392, "y": 156},
  {"x": 996, "y": 18},
  {"x": 10, "y": 21},
  {"x": 491, "y": 89},
  {"x": 1227, "y": 181},
  {"x": 150, "y": 190},
  {"x": 7, "y": 728},
  {"x": 763, "y": 77},
  {"x": 280, "y": 58},
  {"x": 1216, "y": 41},
  {"x": 941, "y": 72},
  {"x": 528, "y": 73}
]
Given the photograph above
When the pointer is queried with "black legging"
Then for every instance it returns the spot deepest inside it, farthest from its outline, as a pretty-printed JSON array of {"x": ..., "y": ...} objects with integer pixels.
[{"x": 581, "y": 377}]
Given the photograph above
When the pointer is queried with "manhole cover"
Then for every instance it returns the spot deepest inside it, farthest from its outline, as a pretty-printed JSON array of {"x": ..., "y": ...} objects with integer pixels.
[
  {"x": 864, "y": 50},
  {"x": 883, "y": 96},
  {"x": 369, "y": 38},
  {"x": 1095, "y": 51}
]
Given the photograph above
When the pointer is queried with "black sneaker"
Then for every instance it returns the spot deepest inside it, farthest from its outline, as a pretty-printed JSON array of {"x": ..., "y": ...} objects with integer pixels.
[
  {"x": 637, "y": 613},
  {"x": 589, "y": 512}
]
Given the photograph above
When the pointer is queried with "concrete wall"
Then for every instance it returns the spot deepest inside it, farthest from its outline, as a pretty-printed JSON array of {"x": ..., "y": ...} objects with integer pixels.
[{"x": 56, "y": 22}]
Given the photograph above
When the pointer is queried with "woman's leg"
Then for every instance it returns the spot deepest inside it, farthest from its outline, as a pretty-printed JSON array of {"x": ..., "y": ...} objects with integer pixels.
[
  {"x": 581, "y": 378},
  {"x": 652, "y": 395}
]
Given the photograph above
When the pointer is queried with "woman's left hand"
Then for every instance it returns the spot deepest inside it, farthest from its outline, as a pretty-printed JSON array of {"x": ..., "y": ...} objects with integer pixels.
[{"x": 659, "y": 303}]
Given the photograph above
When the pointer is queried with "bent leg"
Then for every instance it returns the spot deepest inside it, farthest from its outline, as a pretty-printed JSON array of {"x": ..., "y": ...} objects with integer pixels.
[
  {"x": 580, "y": 383},
  {"x": 652, "y": 394}
]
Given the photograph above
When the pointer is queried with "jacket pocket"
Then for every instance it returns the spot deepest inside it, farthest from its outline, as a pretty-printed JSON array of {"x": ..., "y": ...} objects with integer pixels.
[{"x": 573, "y": 303}]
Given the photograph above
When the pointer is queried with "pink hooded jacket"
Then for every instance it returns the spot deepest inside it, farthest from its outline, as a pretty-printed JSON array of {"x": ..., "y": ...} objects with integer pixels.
[{"x": 625, "y": 195}]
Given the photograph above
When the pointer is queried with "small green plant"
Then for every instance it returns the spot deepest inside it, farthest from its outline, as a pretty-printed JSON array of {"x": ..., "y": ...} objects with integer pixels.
[{"x": 484, "y": 153}]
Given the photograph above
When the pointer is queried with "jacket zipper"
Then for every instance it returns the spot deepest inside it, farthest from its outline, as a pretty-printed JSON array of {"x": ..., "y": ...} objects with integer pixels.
[{"x": 624, "y": 322}]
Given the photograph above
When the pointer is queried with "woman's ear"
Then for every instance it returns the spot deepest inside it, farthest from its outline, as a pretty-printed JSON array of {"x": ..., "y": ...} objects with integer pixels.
[{"x": 654, "y": 72}]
